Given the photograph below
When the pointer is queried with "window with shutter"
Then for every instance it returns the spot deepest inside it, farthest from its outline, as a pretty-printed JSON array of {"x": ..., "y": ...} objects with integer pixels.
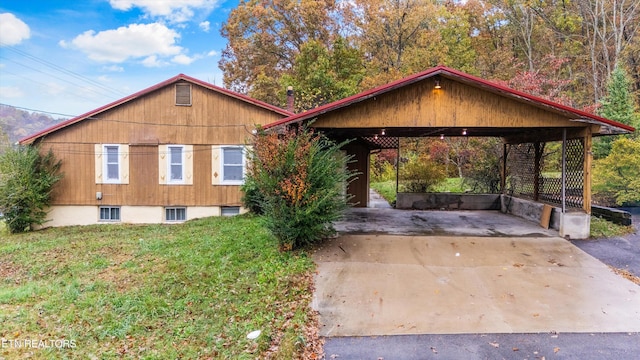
[{"x": 183, "y": 94}]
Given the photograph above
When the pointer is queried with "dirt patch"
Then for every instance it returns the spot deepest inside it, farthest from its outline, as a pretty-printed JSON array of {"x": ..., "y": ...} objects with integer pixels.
[
  {"x": 11, "y": 272},
  {"x": 627, "y": 275},
  {"x": 115, "y": 274}
]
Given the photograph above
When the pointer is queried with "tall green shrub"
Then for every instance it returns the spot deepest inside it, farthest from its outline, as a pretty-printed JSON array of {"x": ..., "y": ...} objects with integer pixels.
[
  {"x": 617, "y": 176},
  {"x": 297, "y": 180},
  {"x": 26, "y": 180},
  {"x": 618, "y": 105}
]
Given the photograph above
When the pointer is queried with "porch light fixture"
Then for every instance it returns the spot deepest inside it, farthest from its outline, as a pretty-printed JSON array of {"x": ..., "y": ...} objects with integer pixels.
[
  {"x": 382, "y": 132},
  {"x": 438, "y": 85},
  {"x": 464, "y": 131},
  {"x": 441, "y": 136},
  {"x": 375, "y": 136}
]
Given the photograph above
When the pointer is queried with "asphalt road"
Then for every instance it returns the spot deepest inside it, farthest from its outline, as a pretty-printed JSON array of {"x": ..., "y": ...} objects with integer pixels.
[
  {"x": 619, "y": 252},
  {"x": 619, "y": 346}
]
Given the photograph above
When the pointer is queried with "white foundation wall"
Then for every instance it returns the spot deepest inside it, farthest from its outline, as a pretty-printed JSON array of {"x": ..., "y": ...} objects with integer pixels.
[
  {"x": 141, "y": 214},
  {"x": 86, "y": 215},
  {"x": 71, "y": 215},
  {"x": 196, "y": 212}
]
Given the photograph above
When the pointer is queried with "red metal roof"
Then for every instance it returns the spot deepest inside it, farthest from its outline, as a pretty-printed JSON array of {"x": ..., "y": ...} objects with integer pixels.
[
  {"x": 454, "y": 75},
  {"x": 31, "y": 138}
]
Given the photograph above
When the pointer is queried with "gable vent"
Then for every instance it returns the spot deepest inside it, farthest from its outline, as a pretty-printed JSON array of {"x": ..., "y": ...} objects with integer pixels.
[{"x": 183, "y": 94}]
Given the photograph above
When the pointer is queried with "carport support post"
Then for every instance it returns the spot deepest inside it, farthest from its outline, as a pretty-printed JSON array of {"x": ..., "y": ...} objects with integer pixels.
[
  {"x": 503, "y": 171},
  {"x": 536, "y": 171},
  {"x": 564, "y": 170},
  {"x": 588, "y": 157}
]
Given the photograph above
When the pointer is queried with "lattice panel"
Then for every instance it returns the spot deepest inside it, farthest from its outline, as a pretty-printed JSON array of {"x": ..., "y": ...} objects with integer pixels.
[{"x": 546, "y": 186}]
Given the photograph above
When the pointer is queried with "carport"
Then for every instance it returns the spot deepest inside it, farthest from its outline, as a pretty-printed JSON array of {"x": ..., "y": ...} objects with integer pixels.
[{"x": 443, "y": 102}]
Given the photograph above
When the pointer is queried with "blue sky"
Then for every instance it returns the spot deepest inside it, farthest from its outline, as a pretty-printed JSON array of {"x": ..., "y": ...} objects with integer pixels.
[{"x": 70, "y": 57}]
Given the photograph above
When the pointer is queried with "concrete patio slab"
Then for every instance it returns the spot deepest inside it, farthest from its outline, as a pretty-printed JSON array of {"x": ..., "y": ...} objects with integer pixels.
[{"x": 379, "y": 284}]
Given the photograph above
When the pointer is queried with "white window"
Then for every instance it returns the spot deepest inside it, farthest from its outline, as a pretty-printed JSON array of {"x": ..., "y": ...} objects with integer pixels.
[
  {"x": 175, "y": 166},
  {"x": 228, "y": 164},
  {"x": 175, "y": 214},
  {"x": 112, "y": 163},
  {"x": 176, "y": 161},
  {"x": 230, "y": 210},
  {"x": 232, "y": 165},
  {"x": 109, "y": 213}
]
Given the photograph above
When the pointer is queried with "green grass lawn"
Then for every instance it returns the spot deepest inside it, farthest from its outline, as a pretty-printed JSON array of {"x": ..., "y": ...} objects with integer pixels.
[
  {"x": 601, "y": 228},
  {"x": 192, "y": 290},
  {"x": 386, "y": 189}
]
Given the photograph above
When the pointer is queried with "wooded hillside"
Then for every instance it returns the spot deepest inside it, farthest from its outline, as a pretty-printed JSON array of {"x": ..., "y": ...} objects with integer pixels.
[
  {"x": 327, "y": 49},
  {"x": 16, "y": 124}
]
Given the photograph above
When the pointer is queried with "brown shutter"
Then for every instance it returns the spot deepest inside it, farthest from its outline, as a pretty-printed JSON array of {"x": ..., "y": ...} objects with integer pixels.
[{"x": 183, "y": 94}]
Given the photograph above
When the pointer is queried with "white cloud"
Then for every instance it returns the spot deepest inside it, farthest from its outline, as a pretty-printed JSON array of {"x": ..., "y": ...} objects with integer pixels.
[
  {"x": 13, "y": 30},
  {"x": 172, "y": 10},
  {"x": 152, "y": 61},
  {"x": 212, "y": 53},
  {"x": 205, "y": 26},
  {"x": 133, "y": 41},
  {"x": 11, "y": 92},
  {"x": 113, "y": 68},
  {"x": 184, "y": 59}
]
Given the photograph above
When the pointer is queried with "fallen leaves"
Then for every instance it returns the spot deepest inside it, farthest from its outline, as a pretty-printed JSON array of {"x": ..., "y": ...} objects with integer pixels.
[{"x": 626, "y": 274}]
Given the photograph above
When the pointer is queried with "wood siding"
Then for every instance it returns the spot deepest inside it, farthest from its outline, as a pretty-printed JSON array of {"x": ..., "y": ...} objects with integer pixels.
[
  {"x": 144, "y": 124},
  {"x": 455, "y": 105}
]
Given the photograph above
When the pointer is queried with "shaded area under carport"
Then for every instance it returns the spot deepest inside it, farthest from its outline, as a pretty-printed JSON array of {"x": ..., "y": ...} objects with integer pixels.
[{"x": 423, "y": 222}]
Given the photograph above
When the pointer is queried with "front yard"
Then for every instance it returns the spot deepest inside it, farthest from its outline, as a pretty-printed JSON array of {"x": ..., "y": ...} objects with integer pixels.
[{"x": 193, "y": 290}]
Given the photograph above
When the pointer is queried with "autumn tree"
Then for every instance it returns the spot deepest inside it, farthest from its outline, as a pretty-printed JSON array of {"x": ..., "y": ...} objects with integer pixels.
[
  {"x": 264, "y": 37},
  {"x": 608, "y": 28}
]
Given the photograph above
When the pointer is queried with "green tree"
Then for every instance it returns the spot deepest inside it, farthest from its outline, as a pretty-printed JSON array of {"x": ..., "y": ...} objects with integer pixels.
[
  {"x": 297, "y": 180},
  {"x": 26, "y": 180},
  {"x": 321, "y": 75},
  {"x": 617, "y": 105},
  {"x": 618, "y": 175}
]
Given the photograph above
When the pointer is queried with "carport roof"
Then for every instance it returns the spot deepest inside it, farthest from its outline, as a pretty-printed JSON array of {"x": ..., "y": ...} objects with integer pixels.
[{"x": 607, "y": 126}]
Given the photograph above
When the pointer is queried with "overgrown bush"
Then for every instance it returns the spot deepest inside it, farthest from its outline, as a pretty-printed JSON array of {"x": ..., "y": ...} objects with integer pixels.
[
  {"x": 297, "y": 180},
  {"x": 419, "y": 173},
  {"x": 26, "y": 180}
]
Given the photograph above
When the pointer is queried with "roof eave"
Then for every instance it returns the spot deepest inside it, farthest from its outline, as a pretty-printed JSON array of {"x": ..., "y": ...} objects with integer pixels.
[{"x": 463, "y": 77}]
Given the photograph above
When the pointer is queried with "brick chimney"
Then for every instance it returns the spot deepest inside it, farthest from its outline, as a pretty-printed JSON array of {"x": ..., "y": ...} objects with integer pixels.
[{"x": 290, "y": 103}]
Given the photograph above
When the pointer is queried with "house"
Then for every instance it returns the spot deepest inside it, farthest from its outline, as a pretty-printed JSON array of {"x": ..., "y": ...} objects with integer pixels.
[
  {"x": 169, "y": 153},
  {"x": 175, "y": 151}
]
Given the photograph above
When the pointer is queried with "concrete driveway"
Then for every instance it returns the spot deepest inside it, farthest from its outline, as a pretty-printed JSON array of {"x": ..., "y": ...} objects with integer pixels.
[{"x": 463, "y": 272}]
